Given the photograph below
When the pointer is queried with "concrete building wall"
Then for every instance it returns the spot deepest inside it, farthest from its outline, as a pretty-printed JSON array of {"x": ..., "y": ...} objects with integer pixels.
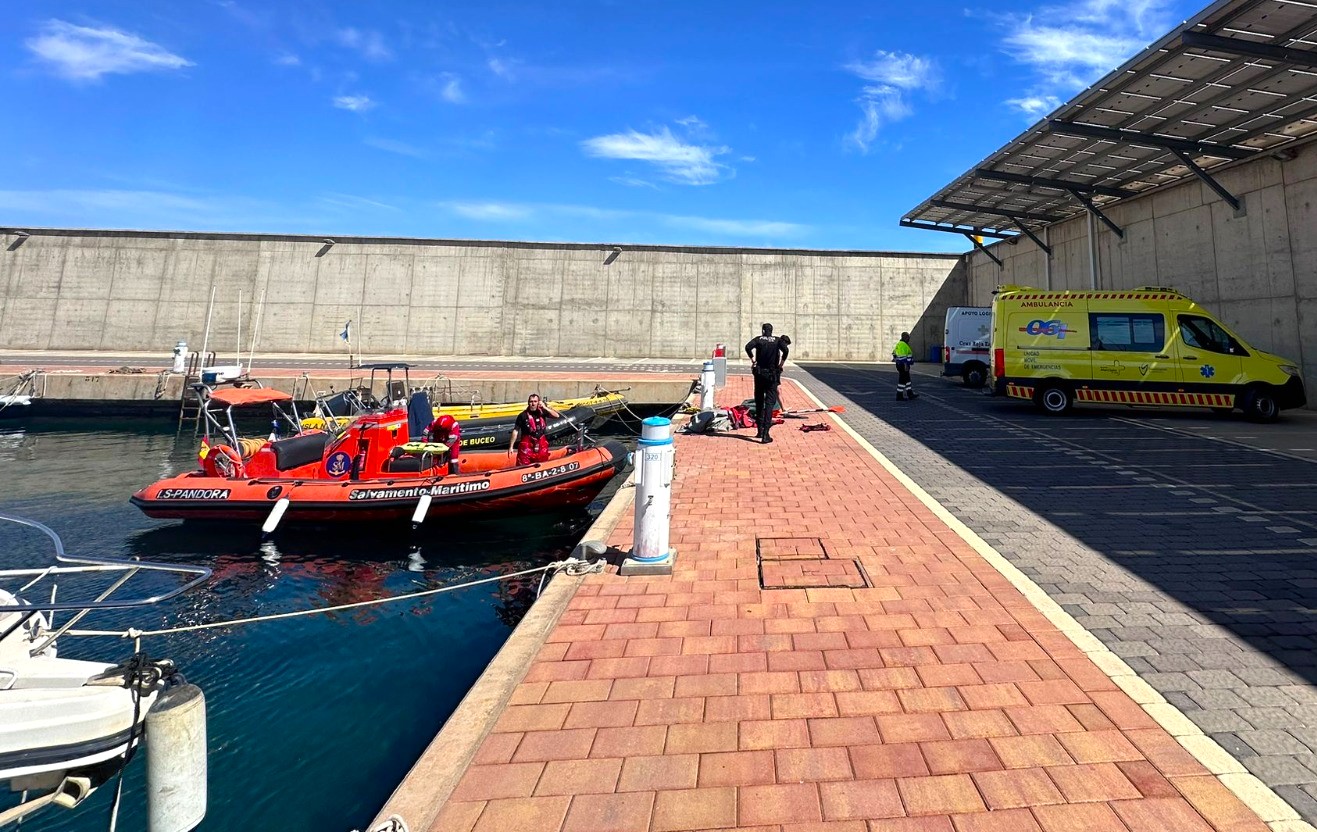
[
  {"x": 1255, "y": 269},
  {"x": 101, "y": 290}
]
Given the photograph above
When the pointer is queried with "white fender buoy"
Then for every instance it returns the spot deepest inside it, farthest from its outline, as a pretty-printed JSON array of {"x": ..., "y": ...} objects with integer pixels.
[
  {"x": 276, "y": 514},
  {"x": 176, "y": 760},
  {"x": 422, "y": 506}
]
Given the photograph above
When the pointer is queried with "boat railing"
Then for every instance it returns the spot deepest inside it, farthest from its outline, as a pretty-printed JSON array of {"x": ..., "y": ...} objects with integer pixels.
[
  {"x": 66, "y": 565},
  {"x": 441, "y": 391}
]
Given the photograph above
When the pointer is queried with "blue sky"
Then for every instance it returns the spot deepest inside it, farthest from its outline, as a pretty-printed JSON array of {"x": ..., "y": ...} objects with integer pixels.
[{"x": 778, "y": 124}]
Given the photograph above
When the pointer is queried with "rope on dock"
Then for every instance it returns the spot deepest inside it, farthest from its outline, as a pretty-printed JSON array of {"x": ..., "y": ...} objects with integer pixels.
[{"x": 572, "y": 566}]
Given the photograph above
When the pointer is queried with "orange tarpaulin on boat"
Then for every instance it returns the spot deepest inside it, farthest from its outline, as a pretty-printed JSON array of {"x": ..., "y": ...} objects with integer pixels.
[{"x": 248, "y": 395}]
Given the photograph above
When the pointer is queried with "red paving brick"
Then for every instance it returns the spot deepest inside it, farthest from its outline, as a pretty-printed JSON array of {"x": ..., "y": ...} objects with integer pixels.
[{"x": 935, "y": 700}]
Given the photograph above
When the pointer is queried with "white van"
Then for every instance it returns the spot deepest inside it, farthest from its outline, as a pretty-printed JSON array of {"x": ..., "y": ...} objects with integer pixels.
[{"x": 965, "y": 344}]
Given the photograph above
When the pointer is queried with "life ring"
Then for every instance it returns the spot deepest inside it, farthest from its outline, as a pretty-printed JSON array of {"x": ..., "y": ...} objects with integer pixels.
[{"x": 223, "y": 461}]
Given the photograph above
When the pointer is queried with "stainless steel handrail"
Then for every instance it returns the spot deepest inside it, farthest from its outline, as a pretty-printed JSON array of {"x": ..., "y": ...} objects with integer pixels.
[{"x": 83, "y": 564}]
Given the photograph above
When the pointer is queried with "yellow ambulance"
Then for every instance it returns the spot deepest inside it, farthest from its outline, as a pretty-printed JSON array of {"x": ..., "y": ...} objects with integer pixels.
[{"x": 1146, "y": 346}]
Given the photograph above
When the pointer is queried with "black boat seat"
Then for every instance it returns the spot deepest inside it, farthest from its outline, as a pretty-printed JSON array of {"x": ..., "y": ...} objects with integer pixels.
[{"x": 299, "y": 450}]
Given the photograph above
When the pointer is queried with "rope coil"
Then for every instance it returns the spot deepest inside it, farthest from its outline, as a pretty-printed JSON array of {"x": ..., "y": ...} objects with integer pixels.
[{"x": 571, "y": 566}]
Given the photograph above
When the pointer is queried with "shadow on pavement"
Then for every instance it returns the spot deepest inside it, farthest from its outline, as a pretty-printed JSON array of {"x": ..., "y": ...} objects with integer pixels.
[{"x": 1227, "y": 531}]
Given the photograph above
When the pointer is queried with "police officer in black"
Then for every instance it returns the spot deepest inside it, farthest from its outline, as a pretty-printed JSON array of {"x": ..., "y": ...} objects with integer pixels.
[{"x": 767, "y": 355}]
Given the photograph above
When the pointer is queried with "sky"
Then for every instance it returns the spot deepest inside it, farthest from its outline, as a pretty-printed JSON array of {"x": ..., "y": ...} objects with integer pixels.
[{"x": 764, "y": 124}]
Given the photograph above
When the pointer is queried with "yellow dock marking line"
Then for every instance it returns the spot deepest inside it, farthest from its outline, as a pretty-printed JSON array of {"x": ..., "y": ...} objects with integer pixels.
[{"x": 1255, "y": 794}]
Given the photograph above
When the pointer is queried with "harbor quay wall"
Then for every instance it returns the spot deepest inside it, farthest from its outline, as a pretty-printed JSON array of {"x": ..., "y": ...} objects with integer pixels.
[
  {"x": 142, "y": 291},
  {"x": 101, "y": 391},
  {"x": 1256, "y": 268}
]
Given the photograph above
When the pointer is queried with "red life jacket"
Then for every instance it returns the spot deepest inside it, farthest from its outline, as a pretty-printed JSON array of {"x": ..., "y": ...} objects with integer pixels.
[
  {"x": 740, "y": 417},
  {"x": 534, "y": 445},
  {"x": 452, "y": 437}
]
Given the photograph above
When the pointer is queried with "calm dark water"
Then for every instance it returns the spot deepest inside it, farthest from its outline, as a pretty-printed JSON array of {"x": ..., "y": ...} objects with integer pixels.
[{"x": 312, "y": 721}]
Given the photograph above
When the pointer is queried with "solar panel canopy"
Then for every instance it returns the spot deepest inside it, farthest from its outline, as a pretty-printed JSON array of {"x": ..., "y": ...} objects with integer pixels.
[{"x": 1236, "y": 81}]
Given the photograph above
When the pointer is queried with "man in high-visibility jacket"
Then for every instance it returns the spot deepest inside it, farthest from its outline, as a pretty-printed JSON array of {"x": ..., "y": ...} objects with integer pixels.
[{"x": 905, "y": 359}]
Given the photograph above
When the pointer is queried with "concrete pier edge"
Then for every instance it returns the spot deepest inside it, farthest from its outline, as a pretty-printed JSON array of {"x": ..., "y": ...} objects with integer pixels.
[
  {"x": 1278, "y": 814},
  {"x": 426, "y": 787}
]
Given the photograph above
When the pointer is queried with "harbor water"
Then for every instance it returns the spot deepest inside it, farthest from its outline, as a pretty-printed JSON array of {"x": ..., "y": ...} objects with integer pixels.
[{"x": 312, "y": 720}]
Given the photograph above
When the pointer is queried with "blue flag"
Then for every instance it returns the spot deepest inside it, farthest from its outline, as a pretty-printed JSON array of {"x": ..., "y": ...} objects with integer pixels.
[{"x": 347, "y": 331}]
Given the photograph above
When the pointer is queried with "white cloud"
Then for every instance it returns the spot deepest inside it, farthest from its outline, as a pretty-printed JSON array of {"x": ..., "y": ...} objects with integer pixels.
[
  {"x": 738, "y": 228},
  {"x": 84, "y": 53},
  {"x": 1071, "y": 45},
  {"x": 354, "y": 103},
  {"x": 686, "y": 164},
  {"x": 144, "y": 208},
  {"x": 897, "y": 69},
  {"x": 287, "y": 59},
  {"x": 368, "y": 42},
  {"x": 543, "y": 212},
  {"x": 633, "y": 182},
  {"x": 891, "y": 78},
  {"x": 356, "y": 202},
  {"x": 452, "y": 90},
  {"x": 501, "y": 68},
  {"x": 392, "y": 146},
  {"x": 1034, "y": 107},
  {"x": 498, "y": 211}
]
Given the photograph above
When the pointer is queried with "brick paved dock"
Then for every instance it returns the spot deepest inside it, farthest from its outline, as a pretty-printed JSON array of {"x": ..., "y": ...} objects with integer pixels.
[{"x": 889, "y": 679}]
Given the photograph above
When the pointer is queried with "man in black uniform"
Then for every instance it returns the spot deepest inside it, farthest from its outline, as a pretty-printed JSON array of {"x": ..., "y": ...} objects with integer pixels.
[{"x": 767, "y": 355}]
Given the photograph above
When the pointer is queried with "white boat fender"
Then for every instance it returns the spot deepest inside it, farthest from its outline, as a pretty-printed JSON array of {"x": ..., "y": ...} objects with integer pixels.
[
  {"x": 276, "y": 514},
  {"x": 176, "y": 760},
  {"x": 422, "y": 507}
]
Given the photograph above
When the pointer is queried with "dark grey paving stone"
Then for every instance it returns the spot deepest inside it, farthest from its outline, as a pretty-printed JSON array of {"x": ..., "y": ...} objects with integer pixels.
[
  {"x": 1273, "y": 742},
  {"x": 1214, "y": 722},
  {"x": 1299, "y": 797},
  {"x": 1281, "y": 771},
  {"x": 1233, "y": 744},
  {"x": 1216, "y": 700}
]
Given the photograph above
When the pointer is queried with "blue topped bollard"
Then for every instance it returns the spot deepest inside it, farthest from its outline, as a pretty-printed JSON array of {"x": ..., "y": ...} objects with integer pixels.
[{"x": 650, "y": 553}]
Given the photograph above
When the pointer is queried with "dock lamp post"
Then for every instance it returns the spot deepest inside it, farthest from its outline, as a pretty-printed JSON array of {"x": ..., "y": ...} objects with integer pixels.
[{"x": 651, "y": 553}]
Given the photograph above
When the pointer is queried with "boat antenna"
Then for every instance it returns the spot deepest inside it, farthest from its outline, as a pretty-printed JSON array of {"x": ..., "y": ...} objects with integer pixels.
[
  {"x": 238, "y": 338},
  {"x": 205, "y": 338},
  {"x": 256, "y": 331}
]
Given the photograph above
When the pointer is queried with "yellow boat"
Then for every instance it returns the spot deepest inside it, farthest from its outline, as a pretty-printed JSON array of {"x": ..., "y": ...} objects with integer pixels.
[{"x": 603, "y": 402}]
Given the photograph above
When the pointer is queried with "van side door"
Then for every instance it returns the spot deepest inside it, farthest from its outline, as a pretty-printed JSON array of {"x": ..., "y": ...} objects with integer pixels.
[
  {"x": 1206, "y": 353},
  {"x": 1047, "y": 344},
  {"x": 1129, "y": 351}
]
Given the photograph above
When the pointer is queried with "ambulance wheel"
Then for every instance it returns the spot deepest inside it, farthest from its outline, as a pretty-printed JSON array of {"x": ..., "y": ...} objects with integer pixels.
[
  {"x": 1260, "y": 404},
  {"x": 975, "y": 376},
  {"x": 1054, "y": 399}
]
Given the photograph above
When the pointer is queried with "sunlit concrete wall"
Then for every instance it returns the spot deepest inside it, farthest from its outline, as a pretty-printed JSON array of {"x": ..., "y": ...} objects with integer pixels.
[
  {"x": 1255, "y": 269},
  {"x": 110, "y": 290}
]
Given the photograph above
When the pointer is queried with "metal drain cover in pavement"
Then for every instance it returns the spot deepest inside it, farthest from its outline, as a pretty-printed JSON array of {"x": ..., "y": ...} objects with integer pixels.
[{"x": 803, "y": 563}]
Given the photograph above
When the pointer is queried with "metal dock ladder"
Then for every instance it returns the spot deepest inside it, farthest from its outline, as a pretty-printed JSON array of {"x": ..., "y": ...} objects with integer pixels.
[{"x": 190, "y": 401}]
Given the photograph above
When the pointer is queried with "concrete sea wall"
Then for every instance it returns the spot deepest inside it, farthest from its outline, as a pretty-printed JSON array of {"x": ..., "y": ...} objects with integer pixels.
[{"x": 117, "y": 290}]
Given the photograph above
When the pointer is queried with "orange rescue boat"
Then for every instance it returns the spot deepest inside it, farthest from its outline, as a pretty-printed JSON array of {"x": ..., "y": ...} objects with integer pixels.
[{"x": 374, "y": 472}]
